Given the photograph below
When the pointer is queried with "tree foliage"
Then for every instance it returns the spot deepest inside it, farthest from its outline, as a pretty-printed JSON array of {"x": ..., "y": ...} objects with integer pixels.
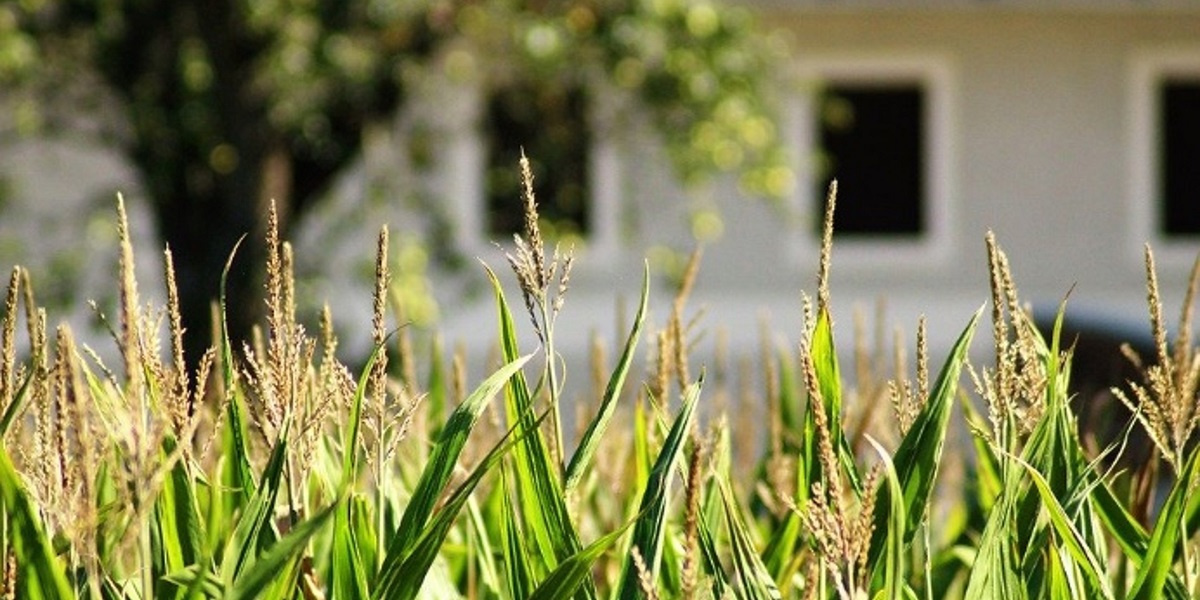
[{"x": 223, "y": 105}]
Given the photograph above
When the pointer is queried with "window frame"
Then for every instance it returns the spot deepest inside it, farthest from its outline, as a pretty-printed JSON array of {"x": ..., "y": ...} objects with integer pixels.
[
  {"x": 934, "y": 75},
  {"x": 1149, "y": 69},
  {"x": 463, "y": 152}
]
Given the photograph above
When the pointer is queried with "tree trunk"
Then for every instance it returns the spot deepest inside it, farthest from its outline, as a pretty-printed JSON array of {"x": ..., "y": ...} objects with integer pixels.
[
  {"x": 202, "y": 231},
  {"x": 209, "y": 154}
]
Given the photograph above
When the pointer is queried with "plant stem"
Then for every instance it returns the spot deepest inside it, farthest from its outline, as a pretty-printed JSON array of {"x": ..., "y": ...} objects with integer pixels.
[
  {"x": 552, "y": 382},
  {"x": 147, "y": 560},
  {"x": 379, "y": 501}
]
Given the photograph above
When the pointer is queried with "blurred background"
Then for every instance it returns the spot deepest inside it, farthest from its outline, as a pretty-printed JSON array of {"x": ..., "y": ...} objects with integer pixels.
[{"x": 1071, "y": 128}]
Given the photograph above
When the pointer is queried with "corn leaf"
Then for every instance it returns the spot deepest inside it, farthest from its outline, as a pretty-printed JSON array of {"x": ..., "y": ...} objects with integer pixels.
[
  {"x": 547, "y": 525},
  {"x": 175, "y": 525},
  {"x": 196, "y": 581},
  {"x": 241, "y": 473},
  {"x": 516, "y": 554},
  {"x": 1079, "y": 551},
  {"x": 350, "y": 577},
  {"x": 711, "y": 509},
  {"x": 350, "y": 445},
  {"x": 995, "y": 573},
  {"x": 584, "y": 454},
  {"x": 350, "y": 567},
  {"x": 442, "y": 461},
  {"x": 14, "y": 407},
  {"x": 785, "y": 537},
  {"x": 751, "y": 578},
  {"x": 401, "y": 578},
  {"x": 488, "y": 570},
  {"x": 571, "y": 573},
  {"x": 920, "y": 452},
  {"x": 651, "y": 524},
  {"x": 891, "y": 566},
  {"x": 38, "y": 570},
  {"x": 254, "y": 530},
  {"x": 440, "y": 466},
  {"x": 829, "y": 380},
  {"x": 279, "y": 562},
  {"x": 986, "y": 467},
  {"x": 1155, "y": 569}
]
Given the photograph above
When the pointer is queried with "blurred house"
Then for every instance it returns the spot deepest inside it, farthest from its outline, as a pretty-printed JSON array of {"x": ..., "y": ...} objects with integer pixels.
[{"x": 1071, "y": 128}]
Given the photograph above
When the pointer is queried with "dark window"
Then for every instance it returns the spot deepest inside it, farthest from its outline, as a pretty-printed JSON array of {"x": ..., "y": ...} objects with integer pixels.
[
  {"x": 871, "y": 140},
  {"x": 549, "y": 122},
  {"x": 1179, "y": 181}
]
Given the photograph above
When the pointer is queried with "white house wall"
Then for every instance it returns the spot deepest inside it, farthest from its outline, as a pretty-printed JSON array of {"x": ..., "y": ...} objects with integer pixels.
[{"x": 1042, "y": 129}]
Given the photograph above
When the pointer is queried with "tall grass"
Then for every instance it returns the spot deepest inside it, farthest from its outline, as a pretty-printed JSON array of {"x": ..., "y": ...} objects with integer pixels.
[{"x": 273, "y": 470}]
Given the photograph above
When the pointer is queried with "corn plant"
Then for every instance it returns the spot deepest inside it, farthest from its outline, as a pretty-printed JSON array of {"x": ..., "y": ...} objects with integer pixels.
[{"x": 273, "y": 470}]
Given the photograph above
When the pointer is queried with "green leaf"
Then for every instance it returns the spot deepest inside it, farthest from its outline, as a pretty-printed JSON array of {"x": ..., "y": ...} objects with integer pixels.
[
  {"x": 584, "y": 454},
  {"x": 349, "y": 569},
  {"x": 566, "y": 579},
  {"x": 14, "y": 408},
  {"x": 920, "y": 452},
  {"x": 829, "y": 381},
  {"x": 242, "y": 475},
  {"x": 193, "y": 578},
  {"x": 516, "y": 554},
  {"x": 751, "y": 576},
  {"x": 995, "y": 573},
  {"x": 549, "y": 532},
  {"x": 1077, "y": 546},
  {"x": 712, "y": 561},
  {"x": 401, "y": 578},
  {"x": 892, "y": 564},
  {"x": 38, "y": 570},
  {"x": 444, "y": 458},
  {"x": 282, "y": 557},
  {"x": 650, "y": 526},
  {"x": 350, "y": 445},
  {"x": 255, "y": 530},
  {"x": 175, "y": 525},
  {"x": 1152, "y": 574},
  {"x": 485, "y": 557},
  {"x": 350, "y": 574}
]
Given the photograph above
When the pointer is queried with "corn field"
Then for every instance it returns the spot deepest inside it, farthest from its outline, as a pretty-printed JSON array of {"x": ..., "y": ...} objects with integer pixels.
[{"x": 272, "y": 470}]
